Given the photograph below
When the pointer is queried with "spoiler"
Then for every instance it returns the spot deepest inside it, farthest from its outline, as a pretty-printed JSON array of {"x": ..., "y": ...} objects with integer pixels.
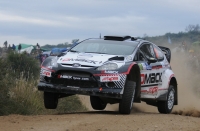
[{"x": 167, "y": 52}]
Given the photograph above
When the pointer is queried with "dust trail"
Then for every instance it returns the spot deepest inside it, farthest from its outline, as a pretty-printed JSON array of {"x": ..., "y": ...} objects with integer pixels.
[
  {"x": 188, "y": 87},
  {"x": 189, "y": 112}
]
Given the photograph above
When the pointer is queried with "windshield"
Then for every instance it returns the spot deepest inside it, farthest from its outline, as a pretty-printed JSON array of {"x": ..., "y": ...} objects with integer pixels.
[{"x": 105, "y": 47}]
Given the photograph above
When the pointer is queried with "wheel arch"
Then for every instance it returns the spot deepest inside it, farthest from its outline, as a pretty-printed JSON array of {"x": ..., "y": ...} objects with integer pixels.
[
  {"x": 173, "y": 82},
  {"x": 134, "y": 75}
]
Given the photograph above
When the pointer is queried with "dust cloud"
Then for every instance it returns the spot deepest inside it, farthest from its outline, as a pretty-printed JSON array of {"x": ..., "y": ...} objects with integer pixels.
[{"x": 188, "y": 85}]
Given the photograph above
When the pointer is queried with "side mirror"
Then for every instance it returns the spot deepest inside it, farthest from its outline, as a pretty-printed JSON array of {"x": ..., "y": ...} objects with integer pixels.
[{"x": 152, "y": 60}]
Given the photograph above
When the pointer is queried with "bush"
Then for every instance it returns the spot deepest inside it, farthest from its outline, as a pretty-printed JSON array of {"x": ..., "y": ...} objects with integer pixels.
[
  {"x": 23, "y": 64},
  {"x": 18, "y": 86}
]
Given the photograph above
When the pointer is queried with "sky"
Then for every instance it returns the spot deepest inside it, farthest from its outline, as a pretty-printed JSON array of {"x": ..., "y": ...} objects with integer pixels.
[{"x": 59, "y": 21}]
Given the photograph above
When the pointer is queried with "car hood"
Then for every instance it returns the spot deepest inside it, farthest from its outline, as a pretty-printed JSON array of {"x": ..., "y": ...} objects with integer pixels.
[{"x": 90, "y": 59}]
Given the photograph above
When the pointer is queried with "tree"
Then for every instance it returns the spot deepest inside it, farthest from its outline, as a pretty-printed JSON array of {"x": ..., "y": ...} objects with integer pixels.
[
  {"x": 192, "y": 28},
  {"x": 145, "y": 36}
]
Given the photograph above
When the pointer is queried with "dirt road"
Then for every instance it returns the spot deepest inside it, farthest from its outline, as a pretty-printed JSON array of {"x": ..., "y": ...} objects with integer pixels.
[
  {"x": 142, "y": 118},
  {"x": 100, "y": 121}
]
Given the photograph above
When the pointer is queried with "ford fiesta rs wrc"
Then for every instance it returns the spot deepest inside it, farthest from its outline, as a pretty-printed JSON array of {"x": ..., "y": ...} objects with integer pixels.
[{"x": 113, "y": 69}]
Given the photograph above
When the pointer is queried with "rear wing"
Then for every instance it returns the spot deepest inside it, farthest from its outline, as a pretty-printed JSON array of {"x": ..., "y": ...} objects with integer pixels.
[{"x": 167, "y": 52}]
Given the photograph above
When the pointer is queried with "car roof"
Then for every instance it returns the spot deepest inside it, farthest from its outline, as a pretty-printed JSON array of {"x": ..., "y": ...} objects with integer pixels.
[
  {"x": 115, "y": 38},
  {"x": 120, "y": 39}
]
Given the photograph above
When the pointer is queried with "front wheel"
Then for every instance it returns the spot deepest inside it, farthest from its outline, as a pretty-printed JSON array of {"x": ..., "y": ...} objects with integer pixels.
[
  {"x": 126, "y": 102},
  {"x": 50, "y": 100},
  {"x": 166, "y": 107}
]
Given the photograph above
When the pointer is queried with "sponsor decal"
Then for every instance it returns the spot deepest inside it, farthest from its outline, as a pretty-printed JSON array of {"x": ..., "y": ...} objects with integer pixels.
[
  {"x": 50, "y": 67},
  {"x": 157, "y": 67},
  {"x": 151, "y": 78},
  {"x": 148, "y": 67},
  {"x": 152, "y": 90},
  {"x": 66, "y": 59},
  {"x": 80, "y": 60},
  {"x": 144, "y": 66},
  {"x": 110, "y": 78},
  {"x": 140, "y": 65},
  {"x": 73, "y": 77},
  {"x": 46, "y": 73},
  {"x": 109, "y": 72}
]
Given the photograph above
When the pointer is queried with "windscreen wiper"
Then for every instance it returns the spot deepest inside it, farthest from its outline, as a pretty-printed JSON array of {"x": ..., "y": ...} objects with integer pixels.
[
  {"x": 96, "y": 52},
  {"x": 73, "y": 51}
]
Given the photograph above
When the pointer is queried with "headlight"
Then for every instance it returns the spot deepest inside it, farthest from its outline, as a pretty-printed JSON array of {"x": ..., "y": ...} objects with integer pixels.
[
  {"x": 53, "y": 62},
  {"x": 108, "y": 66},
  {"x": 50, "y": 62},
  {"x": 129, "y": 58}
]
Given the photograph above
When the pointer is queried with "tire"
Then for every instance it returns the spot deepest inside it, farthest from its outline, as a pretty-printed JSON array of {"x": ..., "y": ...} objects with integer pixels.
[
  {"x": 165, "y": 107},
  {"x": 126, "y": 103},
  {"x": 50, "y": 100},
  {"x": 97, "y": 103}
]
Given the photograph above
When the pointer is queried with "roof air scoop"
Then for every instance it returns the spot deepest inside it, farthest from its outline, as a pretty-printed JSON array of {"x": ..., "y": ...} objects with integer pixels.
[{"x": 117, "y": 38}]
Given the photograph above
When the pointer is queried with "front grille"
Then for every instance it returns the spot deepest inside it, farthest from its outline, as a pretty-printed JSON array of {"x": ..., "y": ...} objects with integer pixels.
[
  {"x": 76, "y": 83},
  {"x": 71, "y": 65},
  {"x": 89, "y": 83}
]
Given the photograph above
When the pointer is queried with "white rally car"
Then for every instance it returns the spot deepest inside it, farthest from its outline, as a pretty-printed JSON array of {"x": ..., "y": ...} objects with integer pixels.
[{"x": 115, "y": 69}]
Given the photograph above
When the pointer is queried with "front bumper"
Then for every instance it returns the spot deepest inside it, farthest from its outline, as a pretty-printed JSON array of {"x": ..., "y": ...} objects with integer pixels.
[{"x": 98, "y": 91}]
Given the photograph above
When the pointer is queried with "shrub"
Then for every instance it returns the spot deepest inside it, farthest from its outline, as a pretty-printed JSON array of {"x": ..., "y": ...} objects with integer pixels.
[
  {"x": 18, "y": 86},
  {"x": 23, "y": 64}
]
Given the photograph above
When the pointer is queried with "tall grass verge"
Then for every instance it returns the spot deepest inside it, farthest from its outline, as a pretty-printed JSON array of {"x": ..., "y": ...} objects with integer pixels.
[{"x": 18, "y": 88}]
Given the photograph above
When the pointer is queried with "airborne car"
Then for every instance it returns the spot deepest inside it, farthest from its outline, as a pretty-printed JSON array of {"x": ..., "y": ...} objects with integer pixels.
[{"x": 115, "y": 69}]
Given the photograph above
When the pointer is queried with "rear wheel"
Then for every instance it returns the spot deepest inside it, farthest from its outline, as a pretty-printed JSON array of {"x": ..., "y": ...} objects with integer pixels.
[
  {"x": 166, "y": 107},
  {"x": 97, "y": 103},
  {"x": 126, "y": 102},
  {"x": 50, "y": 100}
]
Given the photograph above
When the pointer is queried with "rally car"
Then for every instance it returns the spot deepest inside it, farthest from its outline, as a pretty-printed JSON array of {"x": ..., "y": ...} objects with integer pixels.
[{"x": 113, "y": 69}]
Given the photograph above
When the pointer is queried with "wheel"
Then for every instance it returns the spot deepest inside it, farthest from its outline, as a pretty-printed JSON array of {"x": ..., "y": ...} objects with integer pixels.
[
  {"x": 166, "y": 107},
  {"x": 97, "y": 103},
  {"x": 126, "y": 103},
  {"x": 50, "y": 100}
]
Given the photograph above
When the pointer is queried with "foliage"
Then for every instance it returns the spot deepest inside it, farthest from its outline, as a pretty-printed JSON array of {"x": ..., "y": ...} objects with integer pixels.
[
  {"x": 23, "y": 64},
  {"x": 191, "y": 35},
  {"x": 18, "y": 86},
  {"x": 23, "y": 98},
  {"x": 193, "y": 28}
]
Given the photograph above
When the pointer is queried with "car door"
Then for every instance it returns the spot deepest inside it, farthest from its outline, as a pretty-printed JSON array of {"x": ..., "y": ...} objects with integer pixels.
[
  {"x": 150, "y": 75},
  {"x": 161, "y": 66}
]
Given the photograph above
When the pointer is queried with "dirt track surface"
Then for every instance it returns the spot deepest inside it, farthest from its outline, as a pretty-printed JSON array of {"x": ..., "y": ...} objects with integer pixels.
[
  {"x": 100, "y": 121},
  {"x": 142, "y": 118}
]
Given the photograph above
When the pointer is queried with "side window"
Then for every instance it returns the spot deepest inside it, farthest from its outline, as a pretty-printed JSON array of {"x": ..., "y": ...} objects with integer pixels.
[
  {"x": 147, "y": 50},
  {"x": 158, "y": 52},
  {"x": 139, "y": 56}
]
